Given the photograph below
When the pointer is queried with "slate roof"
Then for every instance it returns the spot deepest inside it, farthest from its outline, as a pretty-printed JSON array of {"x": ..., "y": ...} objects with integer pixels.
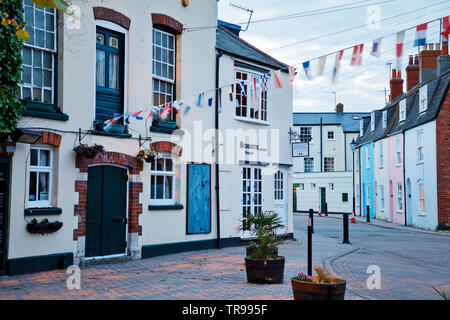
[
  {"x": 234, "y": 45},
  {"x": 437, "y": 89},
  {"x": 345, "y": 119}
]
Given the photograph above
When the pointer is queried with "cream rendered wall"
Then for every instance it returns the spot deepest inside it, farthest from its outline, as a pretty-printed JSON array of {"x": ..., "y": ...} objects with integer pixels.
[
  {"x": 381, "y": 177},
  {"x": 279, "y": 118},
  {"x": 76, "y": 69}
]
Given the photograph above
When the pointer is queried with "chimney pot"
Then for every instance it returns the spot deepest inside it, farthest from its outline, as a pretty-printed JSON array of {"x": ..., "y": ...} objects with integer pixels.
[
  {"x": 438, "y": 46},
  {"x": 416, "y": 59},
  {"x": 394, "y": 74},
  {"x": 445, "y": 48},
  {"x": 410, "y": 60},
  {"x": 399, "y": 74},
  {"x": 396, "y": 84}
]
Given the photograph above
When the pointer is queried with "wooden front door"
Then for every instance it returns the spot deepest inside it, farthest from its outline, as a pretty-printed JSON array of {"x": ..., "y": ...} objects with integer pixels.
[
  {"x": 106, "y": 211},
  {"x": 198, "y": 199},
  {"x": 323, "y": 199},
  {"x": 110, "y": 61},
  {"x": 4, "y": 194},
  {"x": 280, "y": 198}
]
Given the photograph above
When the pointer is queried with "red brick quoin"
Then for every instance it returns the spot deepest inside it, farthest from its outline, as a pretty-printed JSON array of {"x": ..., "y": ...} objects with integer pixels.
[
  {"x": 134, "y": 165},
  {"x": 101, "y": 13},
  {"x": 50, "y": 138}
]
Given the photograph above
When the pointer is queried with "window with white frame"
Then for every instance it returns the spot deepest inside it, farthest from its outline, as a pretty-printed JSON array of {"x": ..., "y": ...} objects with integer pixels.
[
  {"x": 252, "y": 194},
  {"x": 331, "y": 186},
  {"x": 382, "y": 198},
  {"x": 308, "y": 164},
  {"x": 367, "y": 158},
  {"x": 399, "y": 197},
  {"x": 402, "y": 114},
  {"x": 420, "y": 154},
  {"x": 421, "y": 196},
  {"x": 313, "y": 187},
  {"x": 381, "y": 154},
  {"x": 398, "y": 148},
  {"x": 301, "y": 187},
  {"x": 251, "y": 100},
  {"x": 164, "y": 69},
  {"x": 330, "y": 135},
  {"x": 384, "y": 119},
  {"x": 423, "y": 98},
  {"x": 305, "y": 134},
  {"x": 162, "y": 180},
  {"x": 328, "y": 164},
  {"x": 40, "y": 184},
  {"x": 279, "y": 186},
  {"x": 39, "y": 54}
]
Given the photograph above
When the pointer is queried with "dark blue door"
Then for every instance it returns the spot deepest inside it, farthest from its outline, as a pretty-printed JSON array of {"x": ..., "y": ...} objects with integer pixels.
[
  {"x": 199, "y": 199},
  {"x": 109, "y": 74}
]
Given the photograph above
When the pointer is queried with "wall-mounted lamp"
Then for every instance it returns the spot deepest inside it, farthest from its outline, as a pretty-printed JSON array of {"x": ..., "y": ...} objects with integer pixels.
[
  {"x": 10, "y": 147},
  {"x": 26, "y": 136}
]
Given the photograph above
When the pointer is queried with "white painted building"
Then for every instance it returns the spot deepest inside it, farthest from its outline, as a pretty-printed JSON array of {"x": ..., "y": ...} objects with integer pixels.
[
  {"x": 324, "y": 177},
  {"x": 255, "y": 173}
]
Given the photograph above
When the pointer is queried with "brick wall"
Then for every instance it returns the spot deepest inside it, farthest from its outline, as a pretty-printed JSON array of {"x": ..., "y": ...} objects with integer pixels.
[
  {"x": 443, "y": 165},
  {"x": 110, "y": 15}
]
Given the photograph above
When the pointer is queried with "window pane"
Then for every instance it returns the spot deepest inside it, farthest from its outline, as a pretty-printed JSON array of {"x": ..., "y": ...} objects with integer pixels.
[
  {"x": 43, "y": 185},
  {"x": 37, "y": 58},
  {"x": 168, "y": 187},
  {"x": 101, "y": 68},
  {"x": 113, "y": 71},
  {"x": 39, "y": 38},
  {"x": 48, "y": 60},
  {"x": 39, "y": 19},
  {"x": 50, "y": 41},
  {"x": 26, "y": 75},
  {"x": 48, "y": 96},
  {"x": 159, "y": 187},
  {"x": 34, "y": 157},
  {"x": 169, "y": 165},
  {"x": 37, "y": 94},
  {"x": 26, "y": 93},
  {"x": 32, "y": 191},
  {"x": 158, "y": 38},
  {"x": 26, "y": 54},
  {"x": 31, "y": 33},
  {"x": 44, "y": 159},
  {"x": 152, "y": 187},
  {"x": 37, "y": 77},
  {"x": 160, "y": 164},
  {"x": 49, "y": 22},
  {"x": 47, "y": 78}
]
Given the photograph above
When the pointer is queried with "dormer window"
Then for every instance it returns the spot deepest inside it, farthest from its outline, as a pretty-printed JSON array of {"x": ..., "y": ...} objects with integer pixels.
[
  {"x": 372, "y": 121},
  {"x": 423, "y": 99},
  {"x": 402, "y": 112},
  {"x": 384, "y": 118}
]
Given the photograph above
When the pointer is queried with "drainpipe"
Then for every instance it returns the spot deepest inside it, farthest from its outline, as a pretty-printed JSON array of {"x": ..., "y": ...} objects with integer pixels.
[
  {"x": 404, "y": 177},
  {"x": 345, "y": 151},
  {"x": 360, "y": 182},
  {"x": 216, "y": 126},
  {"x": 321, "y": 155}
]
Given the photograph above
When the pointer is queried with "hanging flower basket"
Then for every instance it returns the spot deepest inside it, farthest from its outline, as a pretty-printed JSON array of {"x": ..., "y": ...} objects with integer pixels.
[
  {"x": 147, "y": 155},
  {"x": 90, "y": 152},
  {"x": 44, "y": 226}
]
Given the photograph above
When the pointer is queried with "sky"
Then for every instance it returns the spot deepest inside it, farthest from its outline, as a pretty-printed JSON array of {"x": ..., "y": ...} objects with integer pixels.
[{"x": 359, "y": 88}]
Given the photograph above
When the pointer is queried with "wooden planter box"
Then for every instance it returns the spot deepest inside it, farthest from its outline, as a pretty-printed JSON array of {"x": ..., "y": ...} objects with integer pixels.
[
  {"x": 319, "y": 291},
  {"x": 116, "y": 128},
  {"x": 265, "y": 271},
  {"x": 165, "y": 124},
  {"x": 38, "y": 106}
]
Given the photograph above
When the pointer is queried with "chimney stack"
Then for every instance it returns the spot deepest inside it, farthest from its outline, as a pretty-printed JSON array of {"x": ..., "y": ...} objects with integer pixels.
[
  {"x": 396, "y": 84},
  {"x": 443, "y": 61},
  {"x": 412, "y": 72},
  {"x": 428, "y": 62},
  {"x": 340, "y": 108}
]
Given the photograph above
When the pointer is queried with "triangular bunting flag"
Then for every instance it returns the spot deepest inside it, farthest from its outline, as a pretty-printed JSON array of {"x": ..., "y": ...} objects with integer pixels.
[
  {"x": 357, "y": 55},
  {"x": 321, "y": 65},
  {"x": 376, "y": 48},
  {"x": 307, "y": 68},
  {"x": 277, "y": 79},
  {"x": 421, "y": 35}
]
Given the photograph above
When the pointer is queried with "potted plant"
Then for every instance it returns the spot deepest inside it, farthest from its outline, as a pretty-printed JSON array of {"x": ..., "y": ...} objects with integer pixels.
[
  {"x": 87, "y": 151},
  {"x": 262, "y": 262},
  {"x": 147, "y": 155},
  {"x": 44, "y": 226},
  {"x": 320, "y": 287}
]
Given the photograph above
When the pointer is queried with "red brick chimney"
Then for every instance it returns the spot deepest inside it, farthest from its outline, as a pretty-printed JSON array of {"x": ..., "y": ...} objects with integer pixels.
[
  {"x": 428, "y": 62},
  {"x": 412, "y": 72},
  {"x": 396, "y": 84}
]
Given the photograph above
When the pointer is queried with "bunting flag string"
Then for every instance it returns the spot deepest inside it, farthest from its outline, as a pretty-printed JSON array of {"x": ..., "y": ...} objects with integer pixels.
[
  {"x": 321, "y": 65},
  {"x": 337, "y": 65},
  {"x": 399, "y": 47},
  {"x": 357, "y": 55},
  {"x": 421, "y": 35},
  {"x": 376, "y": 48},
  {"x": 445, "y": 28},
  {"x": 277, "y": 78},
  {"x": 307, "y": 68}
]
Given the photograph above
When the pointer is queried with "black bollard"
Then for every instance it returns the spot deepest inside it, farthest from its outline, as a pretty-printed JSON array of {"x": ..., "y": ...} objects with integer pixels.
[
  {"x": 311, "y": 216},
  {"x": 310, "y": 231},
  {"x": 345, "y": 229},
  {"x": 368, "y": 214}
]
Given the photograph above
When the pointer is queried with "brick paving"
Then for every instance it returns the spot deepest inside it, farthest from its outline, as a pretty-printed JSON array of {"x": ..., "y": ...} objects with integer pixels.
[
  {"x": 411, "y": 262},
  {"x": 205, "y": 275}
]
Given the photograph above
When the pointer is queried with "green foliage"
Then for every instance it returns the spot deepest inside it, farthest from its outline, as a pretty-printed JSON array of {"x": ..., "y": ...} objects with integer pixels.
[
  {"x": 10, "y": 66},
  {"x": 322, "y": 275},
  {"x": 303, "y": 277},
  {"x": 263, "y": 226}
]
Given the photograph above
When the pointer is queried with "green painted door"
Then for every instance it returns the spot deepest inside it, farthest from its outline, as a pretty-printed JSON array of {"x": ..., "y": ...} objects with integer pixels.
[
  {"x": 106, "y": 211},
  {"x": 4, "y": 194},
  {"x": 323, "y": 199}
]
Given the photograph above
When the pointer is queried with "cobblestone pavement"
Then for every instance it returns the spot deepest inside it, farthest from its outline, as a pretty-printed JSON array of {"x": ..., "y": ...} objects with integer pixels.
[
  {"x": 206, "y": 275},
  {"x": 411, "y": 261}
]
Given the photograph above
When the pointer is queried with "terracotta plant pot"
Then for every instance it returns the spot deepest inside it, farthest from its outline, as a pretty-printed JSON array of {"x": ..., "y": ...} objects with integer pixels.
[
  {"x": 265, "y": 271},
  {"x": 319, "y": 291}
]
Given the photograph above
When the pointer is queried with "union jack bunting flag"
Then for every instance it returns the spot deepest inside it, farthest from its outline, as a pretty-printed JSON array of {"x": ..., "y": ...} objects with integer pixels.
[{"x": 264, "y": 80}]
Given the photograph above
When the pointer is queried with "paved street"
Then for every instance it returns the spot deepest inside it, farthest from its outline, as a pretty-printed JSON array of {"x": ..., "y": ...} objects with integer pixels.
[{"x": 411, "y": 262}]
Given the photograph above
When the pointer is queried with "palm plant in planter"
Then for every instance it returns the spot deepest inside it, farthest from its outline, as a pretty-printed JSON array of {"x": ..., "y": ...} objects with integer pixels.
[
  {"x": 87, "y": 151},
  {"x": 262, "y": 262},
  {"x": 320, "y": 287},
  {"x": 147, "y": 155}
]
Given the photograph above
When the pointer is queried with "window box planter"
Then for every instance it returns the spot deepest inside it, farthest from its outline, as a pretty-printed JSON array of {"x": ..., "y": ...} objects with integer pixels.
[
  {"x": 303, "y": 290},
  {"x": 164, "y": 124},
  {"x": 38, "y": 106},
  {"x": 44, "y": 226},
  {"x": 116, "y": 128}
]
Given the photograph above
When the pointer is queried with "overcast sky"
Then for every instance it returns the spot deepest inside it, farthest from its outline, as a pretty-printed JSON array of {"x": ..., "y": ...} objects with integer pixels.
[{"x": 358, "y": 88}]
